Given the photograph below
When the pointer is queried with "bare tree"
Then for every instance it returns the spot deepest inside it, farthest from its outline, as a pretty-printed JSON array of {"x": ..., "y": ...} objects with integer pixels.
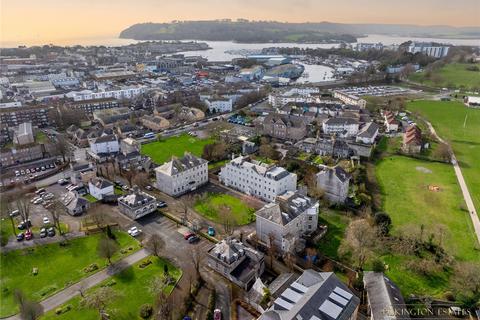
[
  {"x": 272, "y": 248},
  {"x": 23, "y": 206},
  {"x": 442, "y": 152},
  {"x": 57, "y": 210},
  {"x": 164, "y": 305},
  {"x": 360, "y": 239},
  {"x": 155, "y": 244},
  {"x": 107, "y": 248},
  {"x": 466, "y": 283},
  {"x": 196, "y": 259},
  {"x": 29, "y": 310},
  {"x": 141, "y": 179},
  {"x": 62, "y": 146},
  {"x": 99, "y": 300},
  {"x": 6, "y": 209}
]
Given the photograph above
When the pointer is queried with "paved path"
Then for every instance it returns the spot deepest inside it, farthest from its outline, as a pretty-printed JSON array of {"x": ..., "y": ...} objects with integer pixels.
[
  {"x": 461, "y": 181},
  {"x": 72, "y": 291}
]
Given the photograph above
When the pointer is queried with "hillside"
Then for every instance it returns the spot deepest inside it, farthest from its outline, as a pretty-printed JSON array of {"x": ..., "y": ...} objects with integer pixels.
[{"x": 263, "y": 31}]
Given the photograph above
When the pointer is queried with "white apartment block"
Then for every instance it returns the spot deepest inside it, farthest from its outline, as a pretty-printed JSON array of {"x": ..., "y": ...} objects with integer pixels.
[
  {"x": 124, "y": 93},
  {"x": 350, "y": 99},
  {"x": 180, "y": 176},
  {"x": 104, "y": 145},
  {"x": 289, "y": 218},
  {"x": 257, "y": 179},
  {"x": 219, "y": 105},
  {"x": 429, "y": 49},
  {"x": 346, "y": 127}
]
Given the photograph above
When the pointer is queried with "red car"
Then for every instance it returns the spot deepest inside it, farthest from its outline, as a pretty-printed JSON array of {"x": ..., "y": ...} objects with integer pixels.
[
  {"x": 187, "y": 235},
  {"x": 28, "y": 235},
  {"x": 217, "y": 314}
]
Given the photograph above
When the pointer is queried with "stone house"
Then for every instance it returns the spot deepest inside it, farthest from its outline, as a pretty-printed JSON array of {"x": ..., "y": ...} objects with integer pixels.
[{"x": 335, "y": 182}]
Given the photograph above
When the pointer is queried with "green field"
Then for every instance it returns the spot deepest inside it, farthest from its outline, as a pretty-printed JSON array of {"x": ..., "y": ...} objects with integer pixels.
[
  {"x": 453, "y": 75},
  {"x": 409, "y": 202},
  {"x": 211, "y": 207},
  {"x": 162, "y": 151},
  {"x": 133, "y": 285},
  {"x": 460, "y": 126},
  {"x": 58, "y": 267}
]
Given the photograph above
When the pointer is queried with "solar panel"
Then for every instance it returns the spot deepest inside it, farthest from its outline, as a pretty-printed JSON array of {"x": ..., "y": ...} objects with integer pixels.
[
  {"x": 299, "y": 287},
  {"x": 339, "y": 299},
  {"x": 291, "y": 295},
  {"x": 343, "y": 293},
  {"x": 284, "y": 304},
  {"x": 330, "y": 309}
]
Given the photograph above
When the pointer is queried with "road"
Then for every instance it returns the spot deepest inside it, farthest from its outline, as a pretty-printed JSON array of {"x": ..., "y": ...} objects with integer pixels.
[
  {"x": 463, "y": 186},
  {"x": 74, "y": 290}
]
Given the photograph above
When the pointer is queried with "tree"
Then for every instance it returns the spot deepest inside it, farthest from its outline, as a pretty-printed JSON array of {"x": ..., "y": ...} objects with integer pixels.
[
  {"x": 164, "y": 305},
  {"x": 62, "y": 146},
  {"x": 155, "y": 244},
  {"x": 57, "y": 210},
  {"x": 359, "y": 240},
  {"x": 378, "y": 266},
  {"x": 443, "y": 153},
  {"x": 272, "y": 248},
  {"x": 141, "y": 179},
  {"x": 466, "y": 284},
  {"x": 29, "y": 310},
  {"x": 6, "y": 209},
  {"x": 107, "y": 248},
  {"x": 196, "y": 259},
  {"x": 383, "y": 222},
  {"x": 99, "y": 300},
  {"x": 129, "y": 174}
]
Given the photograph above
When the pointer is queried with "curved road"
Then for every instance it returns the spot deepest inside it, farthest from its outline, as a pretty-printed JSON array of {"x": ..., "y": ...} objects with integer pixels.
[{"x": 461, "y": 181}]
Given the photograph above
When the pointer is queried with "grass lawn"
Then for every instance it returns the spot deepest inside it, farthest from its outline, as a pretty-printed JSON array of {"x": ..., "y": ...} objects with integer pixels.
[
  {"x": 448, "y": 119},
  {"x": 406, "y": 198},
  {"x": 218, "y": 164},
  {"x": 452, "y": 75},
  {"x": 162, "y": 151},
  {"x": 336, "y": 222},
  {"x": 90, "y": 198},
  {"x": 132, "y": 284},
  {"x": 211, "y": 206},
  {"x": 41, "y": 137},
  {"x": 58, "y": 267}
]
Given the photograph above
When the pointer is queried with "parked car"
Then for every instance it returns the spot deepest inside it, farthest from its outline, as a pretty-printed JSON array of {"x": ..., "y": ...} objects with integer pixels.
[
  {"x": 193, "y": 239},
  {"x": 17, "y": 173},
  {"x": 24, "y": 225},
  {"x": 211, "y": 231},
  {"x": 43, "y": 233},
  {"x": 38, "y": 201},
  {"x": 134, "y": 231},
  {"x": 28, "y": 235},
  {"x": 51, "y": 166},
  {"x": 51, "y": 232},
  {"x": 161, "y": 204},
  {"x": 188, "y": 235},
  {"x": 62, "y": 182},
  {"x": 14, "y": 213},
  {"x": 48, "y": 196},
  {"x": 149, "y": 188},
  {"x": 125, "y": 188},
  {"x": 217, "y": 314},
  {"x": 40, "y": 191},
  {"x": 46, "y": 220},
  {"x": 20, "y": 236},
  {"x": 43, "y": 168}
]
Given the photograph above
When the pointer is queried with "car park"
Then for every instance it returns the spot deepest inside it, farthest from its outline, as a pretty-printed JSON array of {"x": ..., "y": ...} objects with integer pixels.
[
  {"x": 20, "y": 236},
  {"x": 51, "y": 232},
  {"x": 43, "y": 233},
  {"x": 134, "y": 231},
  {"x": 28, "y": 235}
]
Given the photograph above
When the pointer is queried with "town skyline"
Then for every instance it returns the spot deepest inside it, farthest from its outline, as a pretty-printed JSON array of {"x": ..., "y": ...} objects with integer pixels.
[{"x": 54, "y": 20}]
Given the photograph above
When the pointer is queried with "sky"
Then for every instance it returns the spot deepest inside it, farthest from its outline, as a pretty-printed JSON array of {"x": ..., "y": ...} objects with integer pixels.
[{"x": 45, "y": 21}]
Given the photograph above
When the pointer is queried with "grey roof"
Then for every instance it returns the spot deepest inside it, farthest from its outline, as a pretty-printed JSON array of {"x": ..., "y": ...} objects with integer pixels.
[
  {"x": 136, "y": 199},
  {"x": 369, "y": 130},
  {"x": 107, "y": 138},
  {"x": 175, "y": 166},
  {"x": 314, "y": 295},
  {"x": 101, "y": 183},
  {"x": 336, "y": 171},
  {"x": 341, "y": 121},
  {"x": 384, "y": 297}
]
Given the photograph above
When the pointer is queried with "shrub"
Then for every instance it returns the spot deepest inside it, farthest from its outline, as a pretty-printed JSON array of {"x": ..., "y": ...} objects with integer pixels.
[
  {"x": 90, "y": 268},
  {"x": 144, "y": 264},
  {"x": 62, "y": 310},
  {"x": 378, "y": 266},
  {"x": 383, "y": 221},
  {"x": 146, "y": 311}
]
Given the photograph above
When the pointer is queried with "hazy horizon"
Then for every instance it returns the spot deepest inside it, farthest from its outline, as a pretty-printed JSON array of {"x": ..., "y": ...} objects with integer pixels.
[{"x": 53, "y": 20}]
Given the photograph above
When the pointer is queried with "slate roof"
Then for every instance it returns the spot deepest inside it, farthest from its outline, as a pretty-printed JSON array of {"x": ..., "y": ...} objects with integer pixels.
[
  {"x": 314, "y": 296},
  {"x": 175, "y": 166},
  {"x": 337, "y": 172},
  {"x": 340, "y": 121},
  {"x": 100, "y": 183},
  {"x": 107, "y": 138},
  {"x": 383, "y": 296},
  {"x": 369, "y": 130}
]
